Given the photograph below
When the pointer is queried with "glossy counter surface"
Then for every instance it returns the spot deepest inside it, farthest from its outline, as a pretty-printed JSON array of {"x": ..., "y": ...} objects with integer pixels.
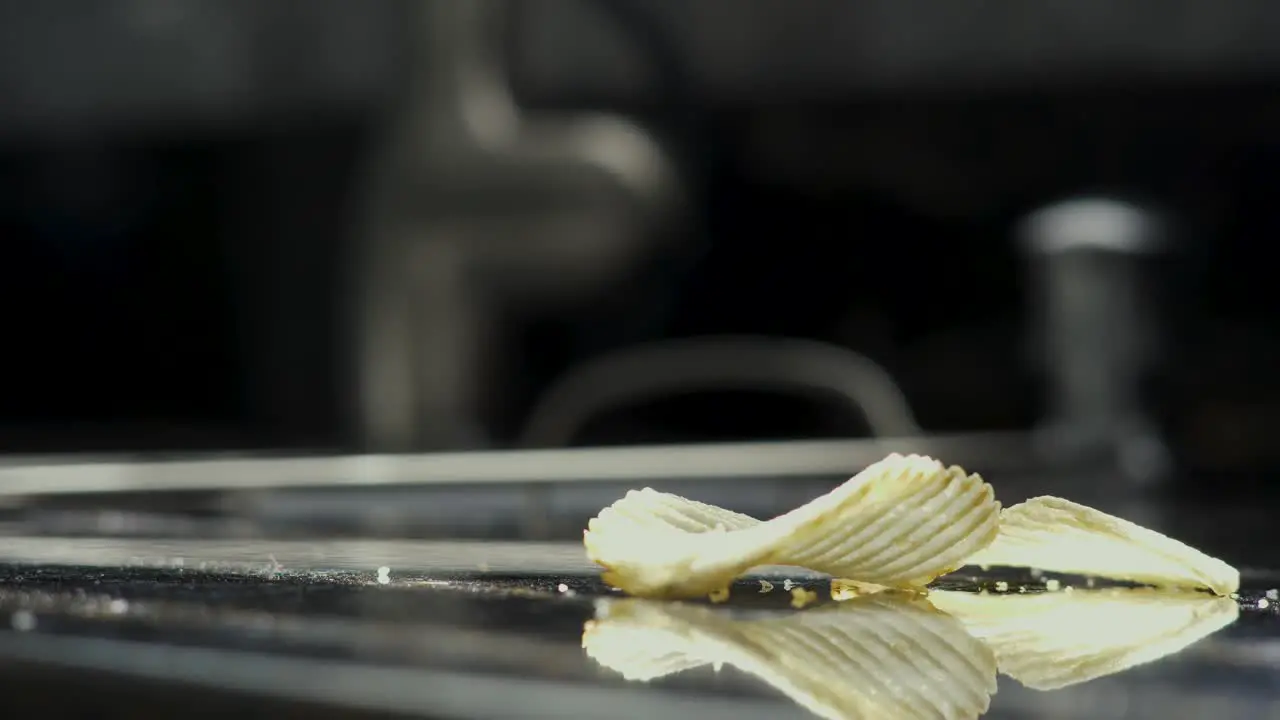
[
  {"x": 525, "y": 630},
  {"x": 257, "y": 588}
]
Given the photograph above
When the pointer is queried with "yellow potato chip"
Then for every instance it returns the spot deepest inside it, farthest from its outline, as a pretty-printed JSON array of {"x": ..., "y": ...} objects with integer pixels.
[
  {"x": 1049, "y": 533},
  {"x": 899, "y": 523}
]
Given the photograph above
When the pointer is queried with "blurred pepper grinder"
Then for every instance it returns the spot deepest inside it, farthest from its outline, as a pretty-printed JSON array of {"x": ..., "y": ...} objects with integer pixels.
[{"x": 1098, "y": 324}]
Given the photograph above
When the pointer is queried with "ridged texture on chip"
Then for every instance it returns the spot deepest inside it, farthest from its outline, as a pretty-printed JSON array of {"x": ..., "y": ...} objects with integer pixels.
[
  {"x": 874, "y": 657},
  {"x": 899, "y": 523},
  {"x": 1053, "y": 640},
  {"x": 1053, "y": 534}
]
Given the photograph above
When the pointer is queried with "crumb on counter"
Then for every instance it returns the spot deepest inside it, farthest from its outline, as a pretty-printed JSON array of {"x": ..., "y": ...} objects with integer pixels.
[
  {"x": 842, "y": 590},
  {"x": 801, "y": 597}
]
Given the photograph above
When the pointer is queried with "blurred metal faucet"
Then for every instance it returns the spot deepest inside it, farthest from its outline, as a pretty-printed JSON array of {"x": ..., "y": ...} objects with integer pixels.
[
  {"x": 473, "y": 209},
  {"x": 1098, "y": 325}
]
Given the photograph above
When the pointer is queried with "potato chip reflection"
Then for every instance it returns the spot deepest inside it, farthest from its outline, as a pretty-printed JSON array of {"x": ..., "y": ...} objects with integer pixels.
[
  {"x": 1053, "y": 640},
  {"x": 898, "y": 655},
  {"x": 881, "y": 656}
]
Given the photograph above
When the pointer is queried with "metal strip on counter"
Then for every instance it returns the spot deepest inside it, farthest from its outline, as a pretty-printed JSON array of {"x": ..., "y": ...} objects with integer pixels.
[{"x": 822, "y": 458}]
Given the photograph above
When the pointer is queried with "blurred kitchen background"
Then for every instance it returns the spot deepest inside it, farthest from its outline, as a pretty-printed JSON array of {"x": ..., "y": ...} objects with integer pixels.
[
  {"x": 300, "y": 299},
  {"x": 323, "y": 226}
]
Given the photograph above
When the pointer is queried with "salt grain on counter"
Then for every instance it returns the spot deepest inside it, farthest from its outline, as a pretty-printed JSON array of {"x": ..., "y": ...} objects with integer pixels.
[
  {"x": 23, "y": 621},
  {"x": 1263, "y": 603},
  {"x": 1052, "y": 585},
  {"x": 1273, "y": 595},
  {"x": 1002, "y": 586},
  {"x": 384, "y": 575}
]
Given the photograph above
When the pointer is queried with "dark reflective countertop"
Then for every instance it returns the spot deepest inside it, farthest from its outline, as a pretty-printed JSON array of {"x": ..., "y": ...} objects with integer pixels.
[
  {"x": 282, "y": 603},
  {"x": 102, "y": 627}
]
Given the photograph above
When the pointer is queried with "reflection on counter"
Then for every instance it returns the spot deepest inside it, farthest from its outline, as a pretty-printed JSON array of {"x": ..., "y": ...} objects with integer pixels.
[
  {"x": 885, "y": 655},
  {"x": 1048, "y": 641},
  {"x": 902, "y": 655}
]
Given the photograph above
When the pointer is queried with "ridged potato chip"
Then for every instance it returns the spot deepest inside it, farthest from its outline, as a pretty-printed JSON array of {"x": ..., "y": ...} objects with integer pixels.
[
  {"x": 1050, "y": 533},
  {"x": 881, "y": 656},
  {"x": 899, "y": 523}
]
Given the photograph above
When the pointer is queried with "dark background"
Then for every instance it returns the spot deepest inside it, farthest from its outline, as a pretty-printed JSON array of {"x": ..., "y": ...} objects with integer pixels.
[{"x": 183, "y": 190}]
